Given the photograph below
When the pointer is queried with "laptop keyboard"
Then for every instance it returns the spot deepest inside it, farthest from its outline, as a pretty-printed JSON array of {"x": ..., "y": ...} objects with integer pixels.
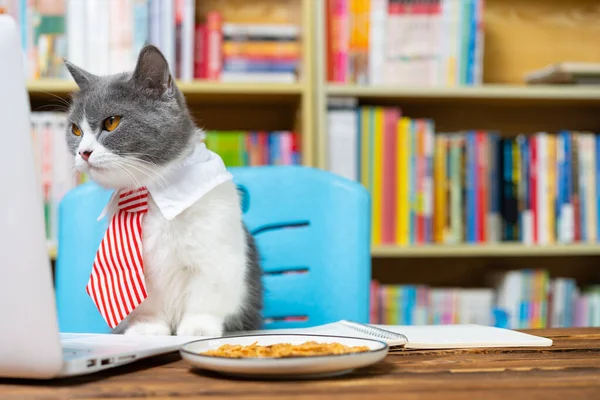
[{"x": 106, "y": 348}]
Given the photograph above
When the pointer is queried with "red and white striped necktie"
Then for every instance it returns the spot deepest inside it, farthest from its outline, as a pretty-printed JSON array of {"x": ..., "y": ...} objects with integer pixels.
[{"x": 117, "y": 284}]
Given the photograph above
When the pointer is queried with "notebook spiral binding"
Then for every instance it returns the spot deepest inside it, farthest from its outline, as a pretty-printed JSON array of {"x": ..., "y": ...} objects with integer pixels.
[{"x": 393, "y": 337}]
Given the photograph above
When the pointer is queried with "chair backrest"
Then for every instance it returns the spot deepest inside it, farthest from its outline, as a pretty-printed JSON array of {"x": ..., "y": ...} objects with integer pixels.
[
  {"x": 312, "y": 230},
  {"x": 79, "y": 235}
]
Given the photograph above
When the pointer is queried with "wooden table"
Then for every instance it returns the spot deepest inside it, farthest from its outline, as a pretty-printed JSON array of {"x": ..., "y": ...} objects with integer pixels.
[{"x": 570, "y": 370}]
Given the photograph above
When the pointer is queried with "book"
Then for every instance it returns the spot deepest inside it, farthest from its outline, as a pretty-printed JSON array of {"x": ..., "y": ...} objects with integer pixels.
[
  {"x": 514, "y": 299},
  {"x": 566, "y": 73},
  {"x": 343, "y": 143},
  {"x": 451, "y": 336},
  {"x": 466, "y": 186},
  {"x": 208, "y": 44},
  {"x": 53, "y": 165},
  {"x": 405, "y": 42}
]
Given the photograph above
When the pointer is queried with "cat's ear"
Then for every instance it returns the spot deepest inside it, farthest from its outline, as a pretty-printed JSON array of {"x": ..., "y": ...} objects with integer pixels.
[
  {"x": 82, "y": 78},
  {"x": 152, "y": 71}
]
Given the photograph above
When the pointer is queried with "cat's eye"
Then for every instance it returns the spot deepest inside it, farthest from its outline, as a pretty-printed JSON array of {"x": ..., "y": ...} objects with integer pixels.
[
  {"x": 75, "y": 130},
  {"x": 111, "y": 123}
]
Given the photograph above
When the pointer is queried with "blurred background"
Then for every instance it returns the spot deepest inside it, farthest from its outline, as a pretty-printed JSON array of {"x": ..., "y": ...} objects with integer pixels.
[{"x": 472, "y": 123}]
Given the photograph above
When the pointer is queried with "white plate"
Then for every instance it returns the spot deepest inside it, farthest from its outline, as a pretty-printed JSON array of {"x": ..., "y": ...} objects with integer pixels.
[{"x": 292, "y": 367}]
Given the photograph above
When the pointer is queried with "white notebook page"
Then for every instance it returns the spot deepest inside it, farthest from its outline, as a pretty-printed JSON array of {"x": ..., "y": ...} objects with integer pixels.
[
  {"x": 437, "y": 336},
  {"x": 465, "y": 336}
]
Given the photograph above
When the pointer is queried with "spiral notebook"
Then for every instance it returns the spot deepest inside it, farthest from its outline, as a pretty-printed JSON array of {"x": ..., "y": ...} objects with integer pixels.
[{"x": 429, "y": 336}]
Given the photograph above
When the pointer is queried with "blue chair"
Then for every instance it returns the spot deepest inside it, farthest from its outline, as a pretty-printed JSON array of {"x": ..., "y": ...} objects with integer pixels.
[
  {"x": 79, "y": 235},
  {"x": 312, "y": 229}
]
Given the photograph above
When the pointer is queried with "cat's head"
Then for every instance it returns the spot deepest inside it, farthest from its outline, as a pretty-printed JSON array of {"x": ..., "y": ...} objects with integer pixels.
[{"x": 126, "y": 129}]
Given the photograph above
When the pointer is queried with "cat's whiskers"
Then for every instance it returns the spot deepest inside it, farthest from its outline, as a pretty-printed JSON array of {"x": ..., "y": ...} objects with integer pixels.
[
  {"x": 152, "y": 168},
  {"x": 62, "y": 100},
  {"x": 55, "y": 107},
  {"x": 137, "y": 158},
  {"x": 148, "y": 172},
  {"x": 128, "y": 173}
]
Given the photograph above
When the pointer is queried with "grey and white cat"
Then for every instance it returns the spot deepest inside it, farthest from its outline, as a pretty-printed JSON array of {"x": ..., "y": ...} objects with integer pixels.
[{"x": 201, "y": 267}]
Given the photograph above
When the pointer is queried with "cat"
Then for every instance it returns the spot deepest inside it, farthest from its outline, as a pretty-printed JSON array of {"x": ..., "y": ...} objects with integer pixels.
[{"x": 201, "y": 267}]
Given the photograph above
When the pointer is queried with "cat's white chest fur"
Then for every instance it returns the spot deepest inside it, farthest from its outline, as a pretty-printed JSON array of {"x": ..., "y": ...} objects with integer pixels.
[{"x": 194, "y": 266}]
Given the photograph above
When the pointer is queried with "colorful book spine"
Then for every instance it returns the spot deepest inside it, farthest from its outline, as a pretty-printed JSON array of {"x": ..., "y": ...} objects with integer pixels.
[
  {"x": 590, "y": 185},
  {"x": 440, "y": 186},
  {"x": 54, "y": 165},
  {"x": 369, "y": 41},
  {"x": 524, "y": 208},
  {"x": 366, "y": 118},
  {"x": 567, "y": 213},
  {"x": 472, "y": 36},
  {"x": 404, "y": 172},
  {"x": 474, "y": 186},
  {"x": 482, "y": 186},
  {"x": 551, "y": 189},
  {"x": 419, "y": 182},
  {"x": 515, "y": 178},
  {"x": 447, "y": 224},
  {"x": 580, "y": 182},
  {"x": 560, "y": 187},
  {"x": 456, "y": 193},
  {"x": 508, "y": 190},
  {"x": 493, "y": 217},
  {"x": 377, "y": 175},
  {"x": 254, "y": 148},
  {"x": 358, "y": 57},
  {"x": 388, "y": 196},
  {"x": 534, "y": 186},
  {"x": 339, "y": 22},
  {"x": 413, "y": 188},
  {"x": 428, "y": 187}
]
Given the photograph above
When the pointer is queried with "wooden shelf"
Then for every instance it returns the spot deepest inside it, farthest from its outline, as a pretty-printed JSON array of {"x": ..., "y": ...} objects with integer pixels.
[
  {"x": 55, "y": 86},
  {"x": 511, "y": 93},
  {"x": 464, "y": 250},
  {"x": 194, "y": 91},
  {"x": 486, "y": 250}
]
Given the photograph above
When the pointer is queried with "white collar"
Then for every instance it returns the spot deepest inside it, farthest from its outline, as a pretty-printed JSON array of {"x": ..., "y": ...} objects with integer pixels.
[{"x": 186, "y": 182}]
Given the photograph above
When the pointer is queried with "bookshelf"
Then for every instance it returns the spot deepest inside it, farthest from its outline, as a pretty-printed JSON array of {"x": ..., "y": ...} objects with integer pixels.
[
  {"x": 501, "y": 102},
  {"x": 234, "y": 106},
  {"x": 303, "y": 104},
  {"x": 257, "y": 105},
  {"x": 519, "y": 37}
]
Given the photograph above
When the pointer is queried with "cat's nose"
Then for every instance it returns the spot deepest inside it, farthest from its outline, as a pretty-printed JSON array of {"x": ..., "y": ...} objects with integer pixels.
[{"x": 85, "y": 154}]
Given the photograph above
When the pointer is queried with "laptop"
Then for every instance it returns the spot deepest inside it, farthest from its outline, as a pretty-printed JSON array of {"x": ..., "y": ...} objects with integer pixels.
[{"x": 30, "y": 343}]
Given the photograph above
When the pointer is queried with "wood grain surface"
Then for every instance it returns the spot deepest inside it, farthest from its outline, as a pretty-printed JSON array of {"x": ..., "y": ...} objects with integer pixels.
[{"x": 570, "y": 369}]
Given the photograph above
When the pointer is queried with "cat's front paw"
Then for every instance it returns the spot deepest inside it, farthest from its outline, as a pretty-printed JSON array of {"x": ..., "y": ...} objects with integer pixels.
[
  {"x": 148, "y": 328},
  {"x": 200, "y": 325}
]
